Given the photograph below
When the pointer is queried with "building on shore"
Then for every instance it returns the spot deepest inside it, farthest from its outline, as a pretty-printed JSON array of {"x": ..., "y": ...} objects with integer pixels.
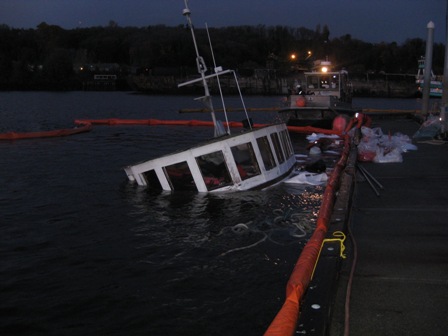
[{"x": 268, "y": 82}]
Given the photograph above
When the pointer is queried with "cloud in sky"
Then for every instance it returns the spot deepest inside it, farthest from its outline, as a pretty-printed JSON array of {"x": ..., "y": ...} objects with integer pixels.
[{"x": 372, "y": 21}]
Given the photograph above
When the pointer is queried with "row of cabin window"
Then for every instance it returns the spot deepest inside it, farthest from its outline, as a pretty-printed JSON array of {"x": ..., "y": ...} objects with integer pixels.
[{"x": 214, "y": 169}]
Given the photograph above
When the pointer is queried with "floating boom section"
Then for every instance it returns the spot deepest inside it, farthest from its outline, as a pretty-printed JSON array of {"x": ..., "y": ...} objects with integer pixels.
[
  {"x": 84, "y": 127},
  {"x": 158, "y": 122},
  {"x": 285, "y": 322}
]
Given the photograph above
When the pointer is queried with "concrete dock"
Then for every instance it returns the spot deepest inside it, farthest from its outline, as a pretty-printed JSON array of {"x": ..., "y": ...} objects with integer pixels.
[{"x": 400, "y": 280}]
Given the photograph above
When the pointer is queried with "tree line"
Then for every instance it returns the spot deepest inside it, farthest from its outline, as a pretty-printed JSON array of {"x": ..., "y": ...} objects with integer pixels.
[{"x": 50, "y": 57}]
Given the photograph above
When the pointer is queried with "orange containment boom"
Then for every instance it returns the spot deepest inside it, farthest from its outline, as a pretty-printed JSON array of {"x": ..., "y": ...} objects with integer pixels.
[
  {"x": 285, "y": 322},
  {"x": 84, "y": 127},
  {"x": 158, "y": 122}
]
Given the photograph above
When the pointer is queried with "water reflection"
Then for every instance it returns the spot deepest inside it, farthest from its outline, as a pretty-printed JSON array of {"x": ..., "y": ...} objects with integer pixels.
[{"x": 224, "y": 223}]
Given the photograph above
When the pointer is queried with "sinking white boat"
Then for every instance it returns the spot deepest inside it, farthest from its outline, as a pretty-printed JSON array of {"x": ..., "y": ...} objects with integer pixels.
[{"x": 251, "y": 159}]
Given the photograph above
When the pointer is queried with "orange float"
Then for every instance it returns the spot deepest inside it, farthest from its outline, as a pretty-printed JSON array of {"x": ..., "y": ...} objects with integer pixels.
[{"x": 300, "y": 101}]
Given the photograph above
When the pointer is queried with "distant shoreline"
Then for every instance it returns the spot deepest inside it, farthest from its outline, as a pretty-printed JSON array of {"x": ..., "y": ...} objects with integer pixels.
[{"x": 402, "y": 86}]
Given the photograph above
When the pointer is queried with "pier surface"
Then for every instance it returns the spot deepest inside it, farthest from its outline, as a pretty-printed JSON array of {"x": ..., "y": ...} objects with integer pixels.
[{"x": 400, "y": 281}]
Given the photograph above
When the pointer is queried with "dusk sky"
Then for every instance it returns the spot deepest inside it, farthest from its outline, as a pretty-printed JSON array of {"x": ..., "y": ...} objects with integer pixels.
[{"x": 368, "y": 20}]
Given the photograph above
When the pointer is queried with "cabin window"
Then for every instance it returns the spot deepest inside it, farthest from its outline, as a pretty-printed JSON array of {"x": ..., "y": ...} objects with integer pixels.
[
  {"x": 266, "y": 153},
  {"x": 334, "y": 83},
  {"x": 152, "y": 181},
  {"x": 278, "y": 148},
  {"x": 286, "y": 143},
  {"x": 179, "y": 176},
  {"x": 245, "y": 160},
  {"x": 325, "y": 82},
  {"x": 312, "y": 82},
  {"x": 214, "y": 170}
]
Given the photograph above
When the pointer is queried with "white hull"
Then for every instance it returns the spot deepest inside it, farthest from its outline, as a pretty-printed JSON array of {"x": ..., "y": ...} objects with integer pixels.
[
  {"x": 435, "y": 88},
  {"x": 250, "y": 160}
]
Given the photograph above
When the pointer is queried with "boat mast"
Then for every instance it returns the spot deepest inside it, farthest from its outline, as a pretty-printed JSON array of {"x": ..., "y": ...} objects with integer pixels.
[{"x": 202, "y": 69}]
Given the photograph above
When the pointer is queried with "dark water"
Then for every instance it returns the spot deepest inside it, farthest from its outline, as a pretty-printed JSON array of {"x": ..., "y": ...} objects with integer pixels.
[{"x": 84, "y": 252}]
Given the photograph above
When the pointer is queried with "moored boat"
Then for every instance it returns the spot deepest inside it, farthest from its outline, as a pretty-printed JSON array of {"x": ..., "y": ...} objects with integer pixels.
[
  {"x": 435, "y": 87},
  {"x": 251, "y": 159},
  {"x": 322, "y": 95}
]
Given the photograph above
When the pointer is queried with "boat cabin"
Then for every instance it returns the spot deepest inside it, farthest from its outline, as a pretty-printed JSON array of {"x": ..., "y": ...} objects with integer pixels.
[
  {"x": 319, "y": 98},
  {"x": 249, "y": 160},
  {"x": 326, "y": 84}
]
